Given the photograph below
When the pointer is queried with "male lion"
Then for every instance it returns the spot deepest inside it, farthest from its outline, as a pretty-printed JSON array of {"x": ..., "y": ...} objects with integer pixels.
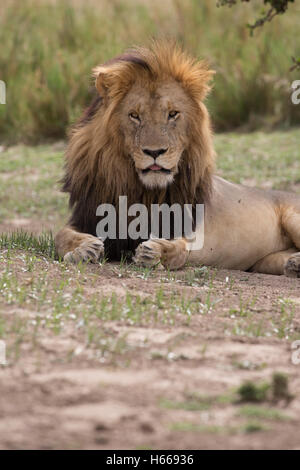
[{"x": 147, "y": 135}]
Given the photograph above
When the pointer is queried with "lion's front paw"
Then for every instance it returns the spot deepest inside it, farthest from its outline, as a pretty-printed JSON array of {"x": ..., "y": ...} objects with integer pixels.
[
  {"x": 292, "y": 267},
  {"x": 147, "y": 254},
  {"x": 88, "y": 250},
  {"x": 173, "y": 254}
]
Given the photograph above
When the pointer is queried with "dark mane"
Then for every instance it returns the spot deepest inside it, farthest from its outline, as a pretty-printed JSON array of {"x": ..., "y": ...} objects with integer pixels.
[
  {"x": 91, "y": 110},
  {"x": 132, "y": 58}
]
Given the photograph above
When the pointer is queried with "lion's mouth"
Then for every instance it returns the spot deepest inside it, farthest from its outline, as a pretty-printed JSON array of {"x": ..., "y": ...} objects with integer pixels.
[{"x": 156, "y": 168}]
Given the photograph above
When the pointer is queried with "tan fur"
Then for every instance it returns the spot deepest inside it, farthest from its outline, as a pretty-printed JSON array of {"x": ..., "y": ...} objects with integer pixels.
[{"x": 109, "y": 155}]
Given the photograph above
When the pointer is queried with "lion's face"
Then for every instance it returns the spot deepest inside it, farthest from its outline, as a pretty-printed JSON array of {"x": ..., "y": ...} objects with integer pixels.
[{"x": 155, "y": 125}]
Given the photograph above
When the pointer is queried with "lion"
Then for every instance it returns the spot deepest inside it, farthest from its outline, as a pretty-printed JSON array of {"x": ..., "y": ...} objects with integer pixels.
[{"x": 147, "y": 135}]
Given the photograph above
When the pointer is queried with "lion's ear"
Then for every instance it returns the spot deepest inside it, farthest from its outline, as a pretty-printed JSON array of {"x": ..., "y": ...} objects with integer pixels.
[
  {"x": 103, "y": 79},
  {"x": 113, "y": 77}
]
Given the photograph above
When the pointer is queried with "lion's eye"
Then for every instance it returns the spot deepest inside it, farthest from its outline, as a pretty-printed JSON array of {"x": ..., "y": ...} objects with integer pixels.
[
  {"x": 173, "y": 114},
  {"x": 134, "y": 116}
]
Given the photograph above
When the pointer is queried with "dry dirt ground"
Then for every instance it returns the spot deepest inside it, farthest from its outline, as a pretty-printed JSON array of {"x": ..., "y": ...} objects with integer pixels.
[{"x": 110, "y": 356}]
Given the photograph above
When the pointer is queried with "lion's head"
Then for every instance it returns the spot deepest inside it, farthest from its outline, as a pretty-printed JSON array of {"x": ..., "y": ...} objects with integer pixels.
[
  {"x": 147, "y": 133},
  {"x": 155, "y": 122}
]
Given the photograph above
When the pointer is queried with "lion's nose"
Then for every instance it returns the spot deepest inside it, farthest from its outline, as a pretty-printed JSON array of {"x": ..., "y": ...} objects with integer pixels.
[{"x": 154, "y": 153}]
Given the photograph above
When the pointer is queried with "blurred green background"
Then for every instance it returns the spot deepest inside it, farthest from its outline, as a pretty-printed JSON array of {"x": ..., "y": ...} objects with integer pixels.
[{"x": 48, "y": 48}]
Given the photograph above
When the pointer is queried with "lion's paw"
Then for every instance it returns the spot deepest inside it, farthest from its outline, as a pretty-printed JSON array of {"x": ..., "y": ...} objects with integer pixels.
[
  {"x": 292, "y": 267},
  {"x": 88, "y": 251},
  {"x": 147, "y": 254},
  {"x": 173, "y": 254}
]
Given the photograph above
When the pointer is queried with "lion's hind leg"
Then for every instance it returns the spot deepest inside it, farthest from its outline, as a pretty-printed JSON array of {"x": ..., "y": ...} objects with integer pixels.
[
  {"x": 173, "y": 254},
  {"x": 75, "y": 247},
  {"x": 279, "y": 263},
  {"x": 290, "y": 219},
  {"x": 288, "y": 261}
]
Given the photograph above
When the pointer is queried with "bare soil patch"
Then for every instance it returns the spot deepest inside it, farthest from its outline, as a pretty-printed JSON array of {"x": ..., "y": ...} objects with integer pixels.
[{"x": 162, "y": 381}]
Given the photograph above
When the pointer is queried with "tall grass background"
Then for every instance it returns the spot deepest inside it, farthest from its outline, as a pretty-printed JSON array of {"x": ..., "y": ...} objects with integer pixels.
[{"x": 48, "y": 48}]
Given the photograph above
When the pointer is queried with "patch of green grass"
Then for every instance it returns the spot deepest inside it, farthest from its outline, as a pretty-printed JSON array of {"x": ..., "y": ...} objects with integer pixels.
[
  {"x": 251, "y": 392},
  {"x": 249, "y": 365},
  {"x": 269, "y": 160},
  {"x": 253, "y": 426},
  {"x": 57, "y": 297},
  {"x": 280, "y": 387},
  {"x": 244, "y": 308},
  {"x": 187, "y": 426},
  {"x": 191, "y": 404},
  {"x": 283, "y": 324},
  {"x": 35, "y": 250},
  {"x": 195, "y": 402},
  {"x": 63, "y": 297},
  {"x": 199, "y": 276},
  {"x": 21, "y": 240},
  {"x": 34, "y": 174},
  {"x": 263, "y": 413},
  {"x": 275, "y": 390},
  {"x": 252, "y": 321},
  {"x": 250, "y": 326}
]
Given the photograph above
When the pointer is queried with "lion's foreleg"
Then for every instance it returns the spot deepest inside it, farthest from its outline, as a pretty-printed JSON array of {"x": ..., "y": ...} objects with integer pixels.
[
  {"x": 173, "y": 254},
  {"x": 74, "y": 246}
]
